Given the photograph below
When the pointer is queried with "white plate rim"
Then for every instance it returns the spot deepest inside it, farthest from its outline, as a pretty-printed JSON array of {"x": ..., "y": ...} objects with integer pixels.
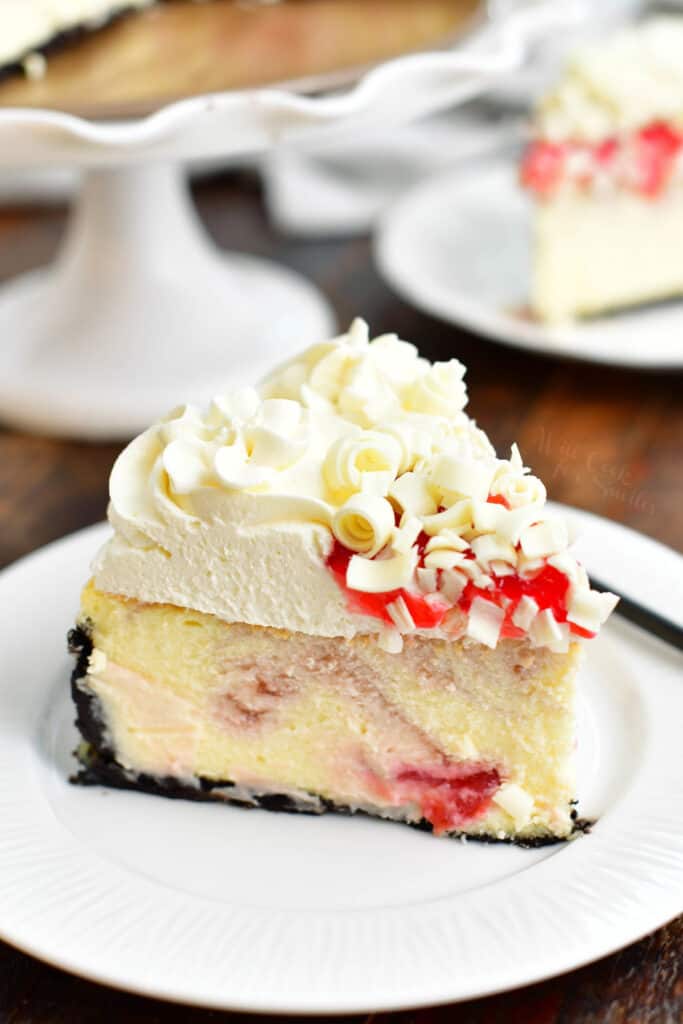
[
  {"x": 658, "y": 840},
  {"x": 461, "y": 309}
]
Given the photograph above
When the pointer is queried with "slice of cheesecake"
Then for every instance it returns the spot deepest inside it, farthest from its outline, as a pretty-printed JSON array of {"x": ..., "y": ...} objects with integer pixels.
[
  {"x": 606, "y": 171},
  {"x": 333, "y": 595}
]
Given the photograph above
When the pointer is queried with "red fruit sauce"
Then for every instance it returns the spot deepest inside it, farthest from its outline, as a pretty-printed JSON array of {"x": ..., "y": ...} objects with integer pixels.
[
  {"x": 449, "y": 796},
  {"x": 649, "y": 157},
  {"x": 543, "y": 166},
  {"x": 548, "y": 588},
  {"x": 427, "y": 613}
]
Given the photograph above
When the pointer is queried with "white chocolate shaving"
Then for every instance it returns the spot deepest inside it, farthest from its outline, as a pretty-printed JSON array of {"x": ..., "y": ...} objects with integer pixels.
[
  {"x": 457, "y": 517},
  {"x": 546, "y": 631},
  {"x": 490, "y": 547},
  {"x": 528, "y": 567},
  {"x": 427, "y": 580},
  {"x": 447, "y": 539},
  {"x": 364, "y": 523},
  {"x": 589, "y": 609},
  {"x": 525, "y": 612},
  {"x": 452, "y": 584},
  {"x": 412, "y": 494},
  {"x": 543, "y": 539},
  {"x": 376, "y": 576},
  {"x": 565, "y": 564},
  {"x": 472, "y": 569},
  {"x": 400, "y": 615},
  {"x": 390, "y": 640},
  {"x": 457, "y": 478},
  {"x": 404, "y": 537},
  {"x": 516, "y": 802},
  {"x": 444, "y": 558},
  {"x": 376, "y": 482},
  {"x": 485, "y": 621}
]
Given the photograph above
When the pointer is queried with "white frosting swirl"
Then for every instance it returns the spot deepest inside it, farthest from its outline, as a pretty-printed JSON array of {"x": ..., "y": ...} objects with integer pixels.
[
  {"x": 367, "y": 382},
  {"x": 438, "y": 392}
]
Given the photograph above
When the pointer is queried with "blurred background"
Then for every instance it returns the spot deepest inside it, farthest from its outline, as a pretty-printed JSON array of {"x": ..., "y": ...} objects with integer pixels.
[{"x": 383, "y": 217}]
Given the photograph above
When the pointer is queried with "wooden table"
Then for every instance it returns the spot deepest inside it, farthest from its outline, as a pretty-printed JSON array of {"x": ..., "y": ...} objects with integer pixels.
[{"x": 603, "y": 439}]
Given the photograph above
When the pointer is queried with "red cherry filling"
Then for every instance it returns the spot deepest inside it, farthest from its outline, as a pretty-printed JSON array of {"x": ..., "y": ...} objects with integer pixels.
[
  {"x": 656, "y": 149},
  {"x": 548, "y": 588},
  {"x": 649, "y": 158},
  {"x": 448, "y": 796},
  {"x": 427, "y": 611},
  {"x": 543, "y": 166}
]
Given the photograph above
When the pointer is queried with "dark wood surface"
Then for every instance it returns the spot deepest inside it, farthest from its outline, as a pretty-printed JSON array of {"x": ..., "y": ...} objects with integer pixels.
[{"x": 604, "y": 439}]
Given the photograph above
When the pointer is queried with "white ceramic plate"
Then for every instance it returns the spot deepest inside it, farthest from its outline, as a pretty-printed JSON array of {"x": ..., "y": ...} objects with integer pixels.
[
  {"x": 259, "y": 911},
  {"x": 460, "y": 247}
]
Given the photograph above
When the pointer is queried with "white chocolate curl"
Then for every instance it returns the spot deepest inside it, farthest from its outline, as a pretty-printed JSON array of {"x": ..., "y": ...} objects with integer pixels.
[
  {"x": 364, "y": 523},
  {"x": 545, "y": 538},
  {"x": 411, "y": 493},
  {"x": 457, "y": 478},
  {"x": 378, "y": 575},
  {"x": 351, "y": 457}
]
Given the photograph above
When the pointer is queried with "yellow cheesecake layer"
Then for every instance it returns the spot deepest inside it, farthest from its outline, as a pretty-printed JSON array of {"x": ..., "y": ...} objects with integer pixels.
[{"x": 188, "y": 695}]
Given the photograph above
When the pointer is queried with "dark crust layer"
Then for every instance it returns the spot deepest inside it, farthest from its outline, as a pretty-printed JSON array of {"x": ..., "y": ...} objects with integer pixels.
[{"x": 99, "y": 767}]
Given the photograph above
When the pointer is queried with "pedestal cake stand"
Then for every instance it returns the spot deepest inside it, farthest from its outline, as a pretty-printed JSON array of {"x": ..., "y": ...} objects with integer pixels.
[{"x": 139, "y": 310}]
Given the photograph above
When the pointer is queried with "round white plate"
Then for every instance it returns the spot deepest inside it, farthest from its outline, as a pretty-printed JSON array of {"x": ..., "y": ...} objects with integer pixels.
[
  {"x": 252, "y": 910},
  {"x": 459, "y": 247}
]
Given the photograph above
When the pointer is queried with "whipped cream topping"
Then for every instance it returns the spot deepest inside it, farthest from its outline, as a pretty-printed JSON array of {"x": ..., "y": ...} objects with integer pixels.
[
  {"x": 351, "y": 494},
  {"x": 618, "y": 85}
]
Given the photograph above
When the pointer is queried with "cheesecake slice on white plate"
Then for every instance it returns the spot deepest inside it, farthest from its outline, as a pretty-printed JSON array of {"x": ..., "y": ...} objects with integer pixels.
[
  {"x": 332, "y": 594},
  {"x": 605, "y": 169}
]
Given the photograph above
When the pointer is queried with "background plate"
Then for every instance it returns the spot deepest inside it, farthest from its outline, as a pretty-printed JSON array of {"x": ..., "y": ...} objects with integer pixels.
[
  {"x": 259, "y": 911},
  {"x": 460, "y": 247}
]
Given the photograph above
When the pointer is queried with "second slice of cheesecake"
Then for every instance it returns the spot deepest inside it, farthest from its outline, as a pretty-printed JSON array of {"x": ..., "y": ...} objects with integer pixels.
[{"x": 605, "y": 170}]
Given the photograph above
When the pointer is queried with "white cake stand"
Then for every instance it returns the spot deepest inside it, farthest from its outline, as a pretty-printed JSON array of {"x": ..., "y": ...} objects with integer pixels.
[{"x": 139, "y": 310}]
